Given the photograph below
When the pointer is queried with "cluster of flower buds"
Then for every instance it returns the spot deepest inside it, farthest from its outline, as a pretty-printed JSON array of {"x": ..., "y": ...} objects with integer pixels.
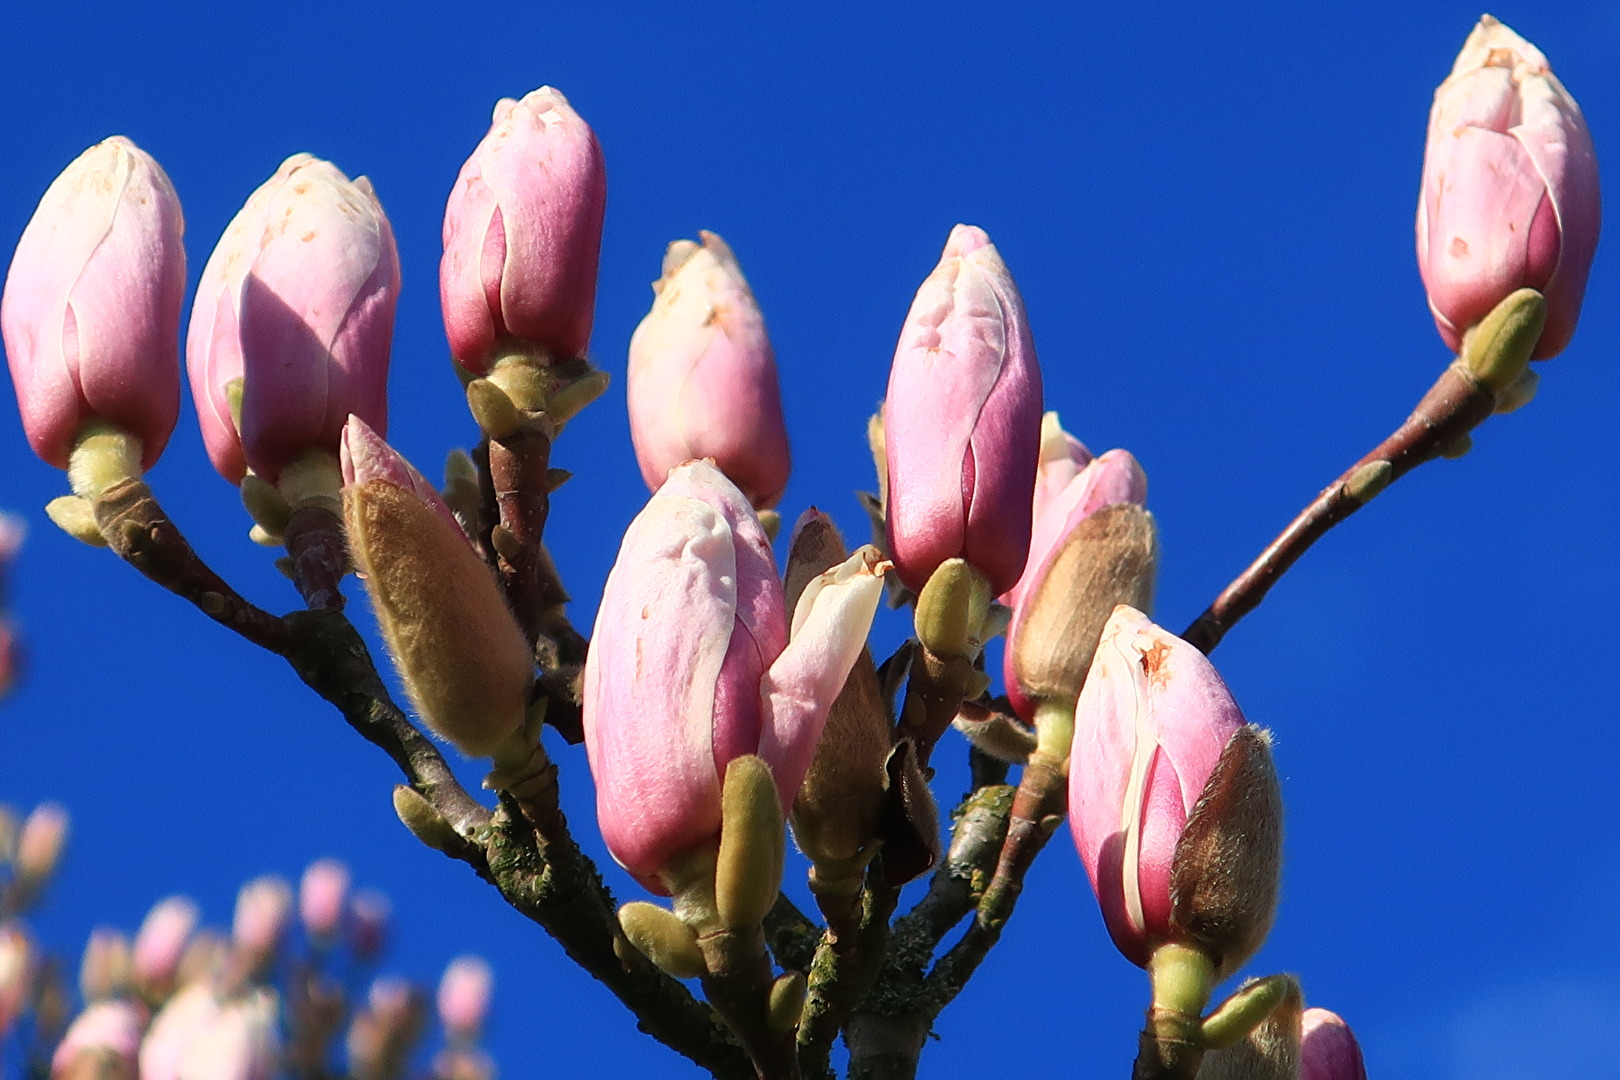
[
  {"x": 12, "y": 532},
  {"x": 182, "y": 1002}
]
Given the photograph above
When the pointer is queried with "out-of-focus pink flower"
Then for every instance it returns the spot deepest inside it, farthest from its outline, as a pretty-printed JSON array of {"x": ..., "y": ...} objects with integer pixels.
[
  {"x": 691, "y": 666},
  {"x": 522, "y": 233},
  {"x": 702, "y": 380},
  {"x": 1113, "y": 478},
  {"x": 161, "y": 940},
  {"x": 40, "y": 844},
  {"x": 106, "y": 968},
  {"x": 263, "y": 909},
  {"x": 18, "y": 960},
  {"x": 464, "y": 996},
  {"x": 321, "y": 896},
  {"x": 106, "y": 1029},
  {"x": 1150, "y": 726},
  {"x": 962, "y": 420},
  {"x": 1510, "y": 195},
  {"x": 1327, "y": 1048},
  {"x": 297, "y": 300},
  {"x": 91, "y": 312},
  {"x": 185, "y": 1019},
  {"x": 239, "y": 1043},
  {"x": 369, "y": 913}
]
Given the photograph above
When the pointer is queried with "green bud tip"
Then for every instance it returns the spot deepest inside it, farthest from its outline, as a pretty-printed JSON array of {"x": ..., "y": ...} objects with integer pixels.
[
  {"x": 1497, "y": 350},
  {"x": 952, "y": 608},
  {"x": 1244, "y": 1011},
  {"x": 77, "y": 518},
  {"x": 493, "y": 409},
  {"x": 786, "y": 1005},
  {"x": 660, "y": 936}
]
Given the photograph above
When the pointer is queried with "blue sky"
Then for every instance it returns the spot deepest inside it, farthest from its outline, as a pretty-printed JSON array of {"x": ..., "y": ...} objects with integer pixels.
[{"x": 1209, "y": 212}]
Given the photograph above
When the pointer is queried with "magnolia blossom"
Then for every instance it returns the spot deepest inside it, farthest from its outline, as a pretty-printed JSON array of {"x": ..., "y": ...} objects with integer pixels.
[
  {"x": 1510, "y": 195},
  {"x": 702, "y": 380},
  {"x": 91, "y": 311},
  {"x": 1150, "y": 726},
  {"x": 962, "y": 420},
  {"x": 297, "y": 301},
  {"x": 522, "y": 232},
  {"x": 263, "y": 910},
  {"x": 693, "y": 663}
]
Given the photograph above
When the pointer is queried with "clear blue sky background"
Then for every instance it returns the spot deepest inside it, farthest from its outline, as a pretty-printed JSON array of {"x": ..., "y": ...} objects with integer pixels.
[{"x": 1210, "y": 214}]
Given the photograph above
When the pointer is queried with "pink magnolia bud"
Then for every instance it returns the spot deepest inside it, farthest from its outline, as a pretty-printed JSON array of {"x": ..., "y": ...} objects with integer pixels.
[
  {"x": 1061, "y": 459},
  {"x": 522, "y": 232},
  {"x": 91, "y": 312},
  {"x": 1327, "y": 1049},
  {"x": 161, "y": 941},
  {"x": 298, "y": 301},
  {"x": 263, "y": 909},
  {"x": 321, "y": 896},
  {"x": 1510, "y": 194},
  {"x": 702, "y": 379},
  {"x": 1152, "y": 720},
  {"x": 464, "y": 996},
  {"x": 962, "y": 420},
  {"x": 184, "y": 1020},
  {"x": 40, "y": 845},
  {"x": 110, "y": 1032},
  {"x": 1113, "y": 478},
  {"x": 691, "y": 666}
]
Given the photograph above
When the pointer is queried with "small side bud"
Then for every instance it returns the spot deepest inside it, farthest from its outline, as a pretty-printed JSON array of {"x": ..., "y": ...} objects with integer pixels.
[
  {"x": 1520, "y": 394},
  {"x": 419, "y": 816},
  {"x": 77, "y": 518},
  {"x": 1367, "y": 482},
  {"x": 1003, "y": 737},
  {"x": 492, "y": 409},
  {"x": 951, "y": 610},
  {"x": 1271, "y": 1050},
  {"x": 1241, "y": 1013},
  {"x": 1227, "y": 865},
  {"x": 265, "y": 504},
  {"x": 748, "y": 870},
  {"x": 570, "y": 400},
  {"x": 786, "y": 1005},
  {"x": 660, "y": 936},
  {"x": 1497, "y": 350}
]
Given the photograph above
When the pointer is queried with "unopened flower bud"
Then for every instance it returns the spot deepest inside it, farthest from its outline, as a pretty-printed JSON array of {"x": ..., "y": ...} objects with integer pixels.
[
  {"x": 380, "y": 1040},
  {"x": 962, "y": 421},
  {"x": 1510, "y": 196},
  {"x": 464, "y": 997},
  {"x": 263, "y": 910},
  {"x": 297, "y": 301},
  {"x": 465, "y": 663},
  {"x": 1328, "y": 1049},
  {"x": 321, "y": 897},
  {"x": 91, "y": 311},
  {"x": 40, "y": 844},
  {"x": 1173, "y": 800},
  {"x": 161, "y": 942},
  {"x": 106, "y": 969},
  {"x": 702, "y": 380},
  {"x": 1094, "y": 547},
  {"x": 102, "y": 1043},
  {"x": 522, "y": 233},
  {"x": 692, "y": 666}
]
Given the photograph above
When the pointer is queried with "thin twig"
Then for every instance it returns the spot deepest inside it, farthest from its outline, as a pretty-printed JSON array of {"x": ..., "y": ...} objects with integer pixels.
[{"x": 1453, "y": 407}]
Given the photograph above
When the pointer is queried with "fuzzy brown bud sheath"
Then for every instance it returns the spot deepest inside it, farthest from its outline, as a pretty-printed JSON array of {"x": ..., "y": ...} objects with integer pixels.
[
  {"x": 1109, "y": 559},
  {"x": 463, "y": 659},
  {"x": 1227, "y": 866}
]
